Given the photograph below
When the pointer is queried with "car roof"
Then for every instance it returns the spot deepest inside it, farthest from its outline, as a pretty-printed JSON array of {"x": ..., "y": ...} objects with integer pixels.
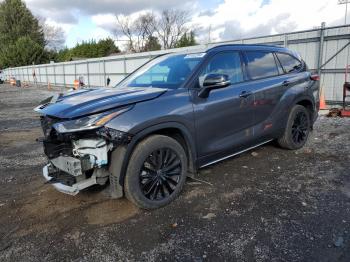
[
  {"x": 248, "y": 47},
  {"x": 240, "y": 47},
  {"x": 252, "y": 47}
]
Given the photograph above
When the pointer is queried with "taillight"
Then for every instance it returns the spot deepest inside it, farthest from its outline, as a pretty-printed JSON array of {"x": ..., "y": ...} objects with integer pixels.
[{"x": 315, "y": 77}]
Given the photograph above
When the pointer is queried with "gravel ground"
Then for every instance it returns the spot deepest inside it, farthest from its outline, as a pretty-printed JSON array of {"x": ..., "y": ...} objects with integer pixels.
[{"x": 266, "y": 205}]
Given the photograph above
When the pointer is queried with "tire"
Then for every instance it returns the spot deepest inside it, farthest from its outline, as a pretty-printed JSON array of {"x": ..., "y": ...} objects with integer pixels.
[
  {"x": 147, "y": 181},
  {"x": 297, "y": 129}
]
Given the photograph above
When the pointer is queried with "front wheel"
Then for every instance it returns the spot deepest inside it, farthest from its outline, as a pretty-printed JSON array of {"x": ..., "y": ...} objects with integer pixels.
[
  {"x": 156, "y": 172},
  {"x": 297, "y": 129}
]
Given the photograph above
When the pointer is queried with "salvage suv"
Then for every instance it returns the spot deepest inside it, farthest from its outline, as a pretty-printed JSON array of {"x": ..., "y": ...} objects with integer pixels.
[{"x": 177, "y": 113}]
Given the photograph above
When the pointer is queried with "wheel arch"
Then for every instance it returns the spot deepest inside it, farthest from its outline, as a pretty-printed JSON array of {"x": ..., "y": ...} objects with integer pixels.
[
  {"x": 308, "y": 103},
  {"x": 172, "y": 129},
  {"x": 290, "y": 101}
]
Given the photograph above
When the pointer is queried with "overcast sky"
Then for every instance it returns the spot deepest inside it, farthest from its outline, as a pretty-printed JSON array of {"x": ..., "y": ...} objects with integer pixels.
[{"x": 228, "y": 19}]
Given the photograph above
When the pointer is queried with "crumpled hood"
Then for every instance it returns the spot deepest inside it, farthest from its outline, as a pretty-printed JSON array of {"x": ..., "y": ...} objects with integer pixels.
[{"x": 89, "y": 101}]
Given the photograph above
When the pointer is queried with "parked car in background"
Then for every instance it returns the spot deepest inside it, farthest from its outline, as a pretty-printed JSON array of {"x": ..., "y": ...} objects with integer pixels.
[{"x": 177, "y": 113}]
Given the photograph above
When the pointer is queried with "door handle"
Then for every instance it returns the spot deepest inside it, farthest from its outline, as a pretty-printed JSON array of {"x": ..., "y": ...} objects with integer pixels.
[
  {"x": 245, "y": 94},
  {"x": 286, "y": 83}
]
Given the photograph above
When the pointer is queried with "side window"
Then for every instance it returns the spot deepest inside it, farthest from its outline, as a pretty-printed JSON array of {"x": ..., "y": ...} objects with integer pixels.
[
  {"x": 228, "y": 63},
  {"x": 261, "y": 64},
  {"x": 289, "y": 63}
]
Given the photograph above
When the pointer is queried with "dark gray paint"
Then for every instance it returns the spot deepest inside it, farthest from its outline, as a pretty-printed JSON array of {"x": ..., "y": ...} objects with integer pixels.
[{"x": 223, "y": 123}]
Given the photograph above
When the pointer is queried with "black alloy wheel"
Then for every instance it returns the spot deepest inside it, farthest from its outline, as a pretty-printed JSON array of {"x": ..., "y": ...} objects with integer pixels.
[
  {"x": 160, "y": 174},
  {"x": 297, "y": 129},
  {"x": 300, "y": 128},
  {"x": 156, "y": 172}
]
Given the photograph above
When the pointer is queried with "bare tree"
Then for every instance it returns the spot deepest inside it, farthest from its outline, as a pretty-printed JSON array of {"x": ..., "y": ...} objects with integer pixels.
[
  {"x": 149, "y": 30},
  {"x": 54, "y": 35},
  {"x": 138, "y": 31},
  {"x": 125, "y": 27},
  {"x": 170, "y": 26}
]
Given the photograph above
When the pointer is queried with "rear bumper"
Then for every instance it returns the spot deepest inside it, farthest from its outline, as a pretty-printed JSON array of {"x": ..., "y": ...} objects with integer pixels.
[{"x": 70, "y": 190}]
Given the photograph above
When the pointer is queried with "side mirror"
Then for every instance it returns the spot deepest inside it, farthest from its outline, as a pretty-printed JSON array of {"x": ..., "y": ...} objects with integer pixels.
[{"x": 213, "y": 81}]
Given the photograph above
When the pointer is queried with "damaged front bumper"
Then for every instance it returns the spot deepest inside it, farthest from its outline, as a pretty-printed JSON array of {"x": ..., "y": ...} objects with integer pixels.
[
  {"x": 72, "y": 189},
  {"x": 86, "y": 166},
  {"x": 81, "y": 159}
]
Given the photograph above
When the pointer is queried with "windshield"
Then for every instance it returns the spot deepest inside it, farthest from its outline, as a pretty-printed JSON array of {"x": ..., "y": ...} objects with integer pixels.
[{"x": 168, "y": 71}]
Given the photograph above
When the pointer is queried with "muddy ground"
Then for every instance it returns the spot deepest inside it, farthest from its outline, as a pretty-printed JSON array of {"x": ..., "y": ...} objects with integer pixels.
[{"x": 270, "y": 205}]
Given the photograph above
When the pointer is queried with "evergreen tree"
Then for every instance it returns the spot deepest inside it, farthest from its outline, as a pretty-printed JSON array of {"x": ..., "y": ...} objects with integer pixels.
[
  {"x": 152, "y": 44},
  {"x": 187, "y": 39},
  {"x": 23, "y": 52},
  {"x": 89, "y": 49},
  {"x": 107, "y": 47},
  {"x": 19, "y": 26},
  {"x": 63, "y": 55}
]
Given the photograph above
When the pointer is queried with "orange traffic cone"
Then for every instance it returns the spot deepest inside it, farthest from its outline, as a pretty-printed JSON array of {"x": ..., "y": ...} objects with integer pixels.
[
  {"x": 12, "y": 81},
  {"x": 322, "y": 101},
  {"x": 76, "y": 84}
]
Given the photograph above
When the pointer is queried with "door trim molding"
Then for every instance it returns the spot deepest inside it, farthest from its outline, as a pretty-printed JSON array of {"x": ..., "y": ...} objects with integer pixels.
[{"x": 237, "y": 153}]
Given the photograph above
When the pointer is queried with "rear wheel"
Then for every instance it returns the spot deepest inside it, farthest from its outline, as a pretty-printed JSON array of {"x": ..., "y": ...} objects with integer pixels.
[
  {"x": 297, "y": 129},
  {"x": 156, "y": 172}
]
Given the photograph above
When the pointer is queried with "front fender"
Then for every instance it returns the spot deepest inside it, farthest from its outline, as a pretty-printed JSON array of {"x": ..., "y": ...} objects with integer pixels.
[{"x": 189, "y": 139}]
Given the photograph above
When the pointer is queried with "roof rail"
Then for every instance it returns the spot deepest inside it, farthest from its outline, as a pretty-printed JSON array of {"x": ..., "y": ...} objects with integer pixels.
[{"x": 257, "y": 45}]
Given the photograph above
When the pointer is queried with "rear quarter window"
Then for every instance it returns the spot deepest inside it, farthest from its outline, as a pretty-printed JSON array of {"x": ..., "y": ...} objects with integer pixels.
[
  {"x": 261, "y": 64},
  {"x": 289, "y": 63}
]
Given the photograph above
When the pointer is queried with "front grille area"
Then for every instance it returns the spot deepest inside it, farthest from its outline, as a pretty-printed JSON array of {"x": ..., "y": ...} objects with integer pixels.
[
  {"x": 53, "y": 146},
  {"x": 46, "y": 125}
]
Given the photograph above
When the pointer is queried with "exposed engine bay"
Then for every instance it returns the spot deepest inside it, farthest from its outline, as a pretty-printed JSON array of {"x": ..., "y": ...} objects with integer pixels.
[{"x": 78, "y": 160}]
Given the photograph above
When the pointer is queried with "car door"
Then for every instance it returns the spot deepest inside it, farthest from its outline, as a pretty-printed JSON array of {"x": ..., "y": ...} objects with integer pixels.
[
  {"x": 224, "y": 119},
  {"x": 268, "y": 84}
]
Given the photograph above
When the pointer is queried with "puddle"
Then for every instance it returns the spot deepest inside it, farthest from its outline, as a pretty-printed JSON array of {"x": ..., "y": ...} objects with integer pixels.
[{"x": 110, "y": 212}]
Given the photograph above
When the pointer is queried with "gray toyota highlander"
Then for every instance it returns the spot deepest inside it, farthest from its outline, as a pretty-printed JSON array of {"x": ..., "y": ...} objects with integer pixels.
[{"x": 177, "y": 113}]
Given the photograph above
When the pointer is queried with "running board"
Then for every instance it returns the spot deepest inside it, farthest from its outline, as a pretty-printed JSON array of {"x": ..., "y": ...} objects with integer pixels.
[{"x": 235, "y": 154}]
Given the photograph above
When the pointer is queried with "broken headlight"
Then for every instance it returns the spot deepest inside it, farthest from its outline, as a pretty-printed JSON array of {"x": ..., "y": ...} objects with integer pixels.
[{"x": 89, "y": 122}]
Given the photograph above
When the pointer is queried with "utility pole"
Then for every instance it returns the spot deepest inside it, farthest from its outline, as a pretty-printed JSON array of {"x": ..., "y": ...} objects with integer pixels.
[{"x": 344, "y": 2}]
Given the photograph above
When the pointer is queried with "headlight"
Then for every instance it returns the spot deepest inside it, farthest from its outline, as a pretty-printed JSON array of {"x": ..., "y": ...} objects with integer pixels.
[{"x": 89, "y": 122}]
